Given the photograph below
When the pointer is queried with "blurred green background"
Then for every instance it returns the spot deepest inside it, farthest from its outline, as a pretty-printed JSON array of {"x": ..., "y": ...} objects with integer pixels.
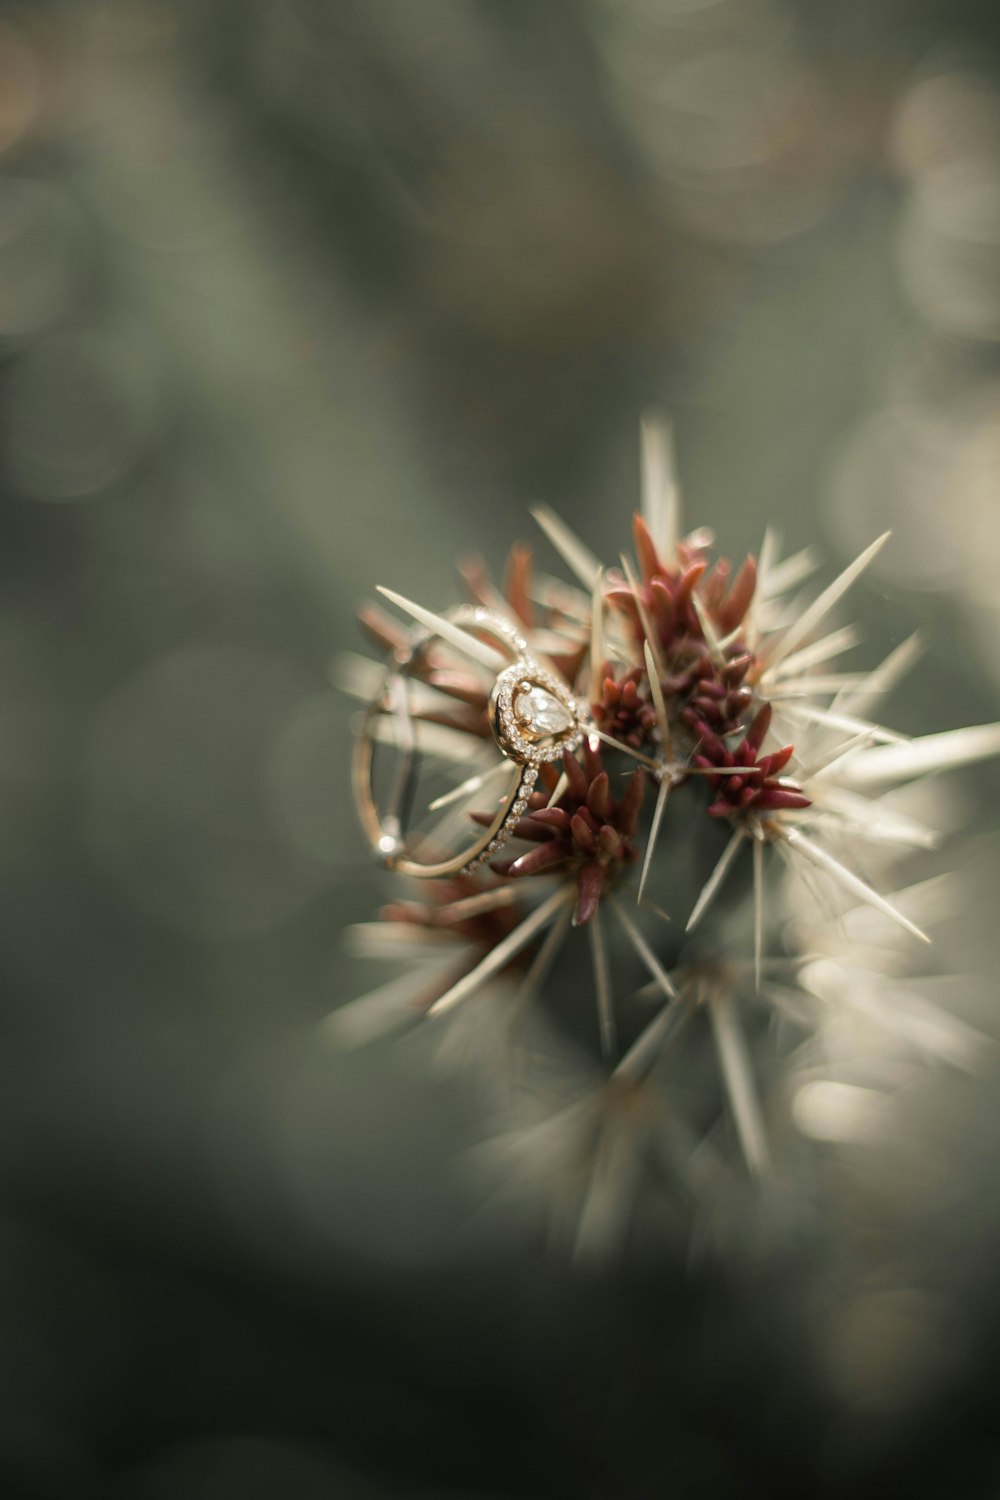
[{"x": 298, "y": 296}]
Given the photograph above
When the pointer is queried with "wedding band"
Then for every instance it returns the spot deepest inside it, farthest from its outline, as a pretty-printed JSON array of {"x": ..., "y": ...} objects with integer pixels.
[{"x": 533, "y": 717}]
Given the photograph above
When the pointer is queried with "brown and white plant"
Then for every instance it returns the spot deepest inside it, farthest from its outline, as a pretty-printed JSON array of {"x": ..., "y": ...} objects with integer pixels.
[{"x": 730, "y": 749}]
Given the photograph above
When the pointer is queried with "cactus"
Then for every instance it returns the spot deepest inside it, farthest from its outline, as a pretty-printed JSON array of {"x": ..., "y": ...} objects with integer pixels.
[{"x": 722, "y": 844}]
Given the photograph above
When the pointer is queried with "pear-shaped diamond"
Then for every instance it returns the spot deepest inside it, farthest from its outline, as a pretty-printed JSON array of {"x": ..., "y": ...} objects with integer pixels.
[{"x": 541, "y": 711}]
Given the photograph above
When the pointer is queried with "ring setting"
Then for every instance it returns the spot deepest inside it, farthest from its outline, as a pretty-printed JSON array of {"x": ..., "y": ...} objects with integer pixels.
[{"x": 534, "y": 719}]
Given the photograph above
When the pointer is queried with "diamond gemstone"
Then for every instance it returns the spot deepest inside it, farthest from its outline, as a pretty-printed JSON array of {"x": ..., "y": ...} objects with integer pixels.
[{"x": 543, "y": 711}]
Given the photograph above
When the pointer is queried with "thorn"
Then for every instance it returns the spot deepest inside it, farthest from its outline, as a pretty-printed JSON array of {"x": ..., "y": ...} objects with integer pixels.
[
  {"x": 656, "y": 690},
  {"x": 919, "y": 757},
  {"x": 459, "y": 638},
  {"x": 738, "y": 1078},
  {"x": 602, "y": 986},
  {"x": 645, "y": 952},
  {"x": 849, "y": 881},
  {"x": 597, "y": 635},
  {"x": 834, "y": 644},
  {"x": 644, "y": 620},
  {"x": 758, "y": 910},
  {"x": 466, "y": 787},
  {"x": 714, "y": 881},
  {"x": 654, "y": 830},
  {"x": 574, "y": 553},
  {"x": 660, "y": 492},
  {"x": 810, "y": 618},
  {"x": 500, "y": 956}
]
